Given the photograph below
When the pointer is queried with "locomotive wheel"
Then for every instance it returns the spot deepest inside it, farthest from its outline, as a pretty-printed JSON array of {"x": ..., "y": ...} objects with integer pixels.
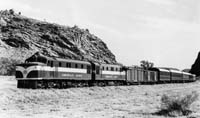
[{"x": 50, "y": 84}]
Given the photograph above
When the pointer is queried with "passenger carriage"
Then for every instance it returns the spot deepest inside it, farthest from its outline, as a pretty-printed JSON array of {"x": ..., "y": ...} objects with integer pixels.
[
  {"x": 192, "y": 77},
  {"x": 176, "y": 75},
  {"x": 186, "y": 77},
  {"x": 163, "y": 75}
]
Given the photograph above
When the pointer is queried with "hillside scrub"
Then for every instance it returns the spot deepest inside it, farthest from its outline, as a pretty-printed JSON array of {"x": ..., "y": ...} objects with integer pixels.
[
  {"x": 177, "y": 105},
  {"x": 7, "y": 66}
]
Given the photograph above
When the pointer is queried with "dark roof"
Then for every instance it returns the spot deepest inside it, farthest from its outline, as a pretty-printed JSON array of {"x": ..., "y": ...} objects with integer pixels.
[{"x": 56, "y": 59}]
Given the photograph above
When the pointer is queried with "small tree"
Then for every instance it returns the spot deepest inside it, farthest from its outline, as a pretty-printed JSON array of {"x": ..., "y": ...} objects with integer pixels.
[
  {"x": 7, "y": 66},
  {"x": 11, "y": 11},
  {"x": 146, "y": 64}
]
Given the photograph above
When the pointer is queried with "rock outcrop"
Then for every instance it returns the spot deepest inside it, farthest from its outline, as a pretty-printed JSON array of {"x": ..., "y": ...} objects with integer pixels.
[
  {"x": 20, "y": 37},
  {"x": 196, "y": 66}
]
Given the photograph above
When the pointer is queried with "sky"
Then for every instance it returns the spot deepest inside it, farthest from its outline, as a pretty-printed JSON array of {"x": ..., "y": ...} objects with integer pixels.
[{"x": 165, "y": 32}]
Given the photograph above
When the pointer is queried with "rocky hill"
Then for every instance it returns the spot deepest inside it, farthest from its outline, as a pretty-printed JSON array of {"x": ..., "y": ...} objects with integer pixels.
[
  {"x": 20, "y": 37},
  {"x": 196, "y": 66}
]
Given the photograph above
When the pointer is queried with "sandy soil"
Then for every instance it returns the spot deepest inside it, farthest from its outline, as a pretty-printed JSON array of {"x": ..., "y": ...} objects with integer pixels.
[{"x": 139, "y": 101}]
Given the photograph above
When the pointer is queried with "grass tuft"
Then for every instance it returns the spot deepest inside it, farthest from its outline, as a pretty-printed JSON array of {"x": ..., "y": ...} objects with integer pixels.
[{"x": 177, "y": 105}]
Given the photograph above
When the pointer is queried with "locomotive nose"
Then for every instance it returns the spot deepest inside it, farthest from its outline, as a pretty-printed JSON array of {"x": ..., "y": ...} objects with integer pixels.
[{"x": 25, "y": 72}]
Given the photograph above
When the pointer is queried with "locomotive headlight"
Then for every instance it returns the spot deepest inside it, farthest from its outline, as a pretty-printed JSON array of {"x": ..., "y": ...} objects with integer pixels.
[{"x": 25, "y": 71}]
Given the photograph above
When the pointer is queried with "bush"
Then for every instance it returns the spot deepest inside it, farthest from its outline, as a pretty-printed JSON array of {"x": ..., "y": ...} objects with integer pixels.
[
  {"x": 177, "y": 105},
  {"x": 7, "y": 66}
]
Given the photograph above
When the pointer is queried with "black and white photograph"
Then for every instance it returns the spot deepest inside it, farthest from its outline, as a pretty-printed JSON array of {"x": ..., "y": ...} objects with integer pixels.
[{"x": 99, "y": 58}]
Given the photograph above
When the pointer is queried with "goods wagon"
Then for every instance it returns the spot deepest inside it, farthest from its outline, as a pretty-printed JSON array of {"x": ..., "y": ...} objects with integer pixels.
[{"x": 137, "y": 75}]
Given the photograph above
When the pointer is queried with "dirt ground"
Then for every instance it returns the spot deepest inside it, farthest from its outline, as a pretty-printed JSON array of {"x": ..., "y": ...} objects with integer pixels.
[{"x": 138, "y": 101}]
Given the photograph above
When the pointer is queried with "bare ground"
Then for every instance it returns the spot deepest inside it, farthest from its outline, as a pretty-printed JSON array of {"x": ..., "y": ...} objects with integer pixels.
[{"x": 140, "y": 101}]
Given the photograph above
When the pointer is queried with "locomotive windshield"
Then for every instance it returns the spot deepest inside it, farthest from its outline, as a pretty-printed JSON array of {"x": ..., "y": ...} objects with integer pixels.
[{"x": 25, "y": 65}]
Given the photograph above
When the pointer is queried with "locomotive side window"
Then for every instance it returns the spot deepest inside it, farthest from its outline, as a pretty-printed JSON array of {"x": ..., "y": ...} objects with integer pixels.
[
  {"x": 97, "y": 69},
  {"x": 51, "y": 63},
  {"x": 76, "y": 65},
  {"x": 88, "y": 69},
  {"x": 68, "y": 65},
  {"x": 60, "y": 64},
  {"x": 48, "y": 63}
]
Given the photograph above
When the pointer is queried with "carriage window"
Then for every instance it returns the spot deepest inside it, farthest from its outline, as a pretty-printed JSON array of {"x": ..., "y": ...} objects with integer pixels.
[
  {"x": 81, "y": 65},
  {"x": 112, "y": 69},
  {"x": 103, "y": 68},
  {"x": 106, "y": 68},
  {"x": 116, "y": 69}
]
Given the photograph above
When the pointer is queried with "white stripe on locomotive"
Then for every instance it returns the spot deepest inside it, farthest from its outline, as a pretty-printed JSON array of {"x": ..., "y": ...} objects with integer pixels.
[
  {"x": 113, "y": 73},
  {"x": 45, "y": 68}
]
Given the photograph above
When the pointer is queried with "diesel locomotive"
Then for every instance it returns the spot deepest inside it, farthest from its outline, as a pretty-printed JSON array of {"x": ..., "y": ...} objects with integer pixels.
[{"x": 40, "y": 71}]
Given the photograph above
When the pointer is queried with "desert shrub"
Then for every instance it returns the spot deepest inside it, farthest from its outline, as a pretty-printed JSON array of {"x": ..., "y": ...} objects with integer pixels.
[
  {"x": 177, "y": 105},
  {"x": 7, "y": 66}
]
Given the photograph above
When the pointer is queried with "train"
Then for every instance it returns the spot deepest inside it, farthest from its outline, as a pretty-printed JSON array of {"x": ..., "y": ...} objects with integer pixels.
[{"x": 39, "y": 71}]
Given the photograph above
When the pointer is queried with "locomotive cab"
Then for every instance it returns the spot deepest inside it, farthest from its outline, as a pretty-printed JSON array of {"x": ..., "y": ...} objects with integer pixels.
[{"x": 37, "y": 58}]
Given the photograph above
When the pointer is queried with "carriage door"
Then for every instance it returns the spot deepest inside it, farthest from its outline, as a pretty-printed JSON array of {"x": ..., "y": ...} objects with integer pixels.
[
  {"x": 93, "y": 71},
  {"x": 56, "y": 64}
]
